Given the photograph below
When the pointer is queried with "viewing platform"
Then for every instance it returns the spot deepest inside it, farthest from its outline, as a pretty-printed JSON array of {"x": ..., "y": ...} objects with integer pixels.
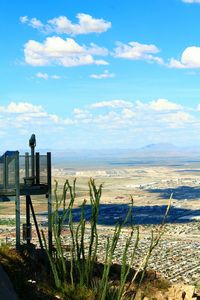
[{"x": 26, "y": 175}]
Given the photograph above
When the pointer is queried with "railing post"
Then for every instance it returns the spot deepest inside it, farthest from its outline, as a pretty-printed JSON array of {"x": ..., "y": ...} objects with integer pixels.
[
  {"x": 17, "y": 200},
  {"x": 28, "y": 220},
  {"x": 26, "y": 164},
  {"x": 37, "y": 165},
  {"x": 4, "y": 171},
  {"x": 49, "y": 202}
]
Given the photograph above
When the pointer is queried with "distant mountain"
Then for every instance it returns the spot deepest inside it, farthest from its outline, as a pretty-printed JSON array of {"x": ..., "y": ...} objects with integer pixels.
[
  {"x": 167, "y": 150},
  {"x": 159, "y": 147}
]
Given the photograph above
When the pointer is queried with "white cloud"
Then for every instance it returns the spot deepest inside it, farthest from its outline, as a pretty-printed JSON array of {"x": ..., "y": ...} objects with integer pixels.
[
  {"x": 68, "y": 53},
  {"x": 35, "y": 23},
  {"x": 105, "y": 120},
  {"x": 156, "y": 115},
  {"x": 104, "y": 75},
  {"x": 164, "y": 105},
  {"x": 62, "y": 25},
  {"x": 23, "y": 19},
  {"x": 169, "y": 113},
  {"x": 138, "y": 51},
  {"x": 128, "y": 113},
  {"x": 21, "y": 108},
  {"x": 159, "y": 105},
  {"x": 96, "y": 50},
  {"x": 81, "y": 113},
  {"x": 45, "y": 76},
  {"x": 56, "y": 77},
  {"x": 175, "y": 64},
  {"x": 178, "y": 119},
  {"x": 112, "y": 104},
  {"x": 191, "y": 1},
  {"x": 190, "y": 59},
  {"x": 24, "y": 115}
]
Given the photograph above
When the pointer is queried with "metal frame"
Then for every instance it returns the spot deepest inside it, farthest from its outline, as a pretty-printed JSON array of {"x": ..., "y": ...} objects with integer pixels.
[
  {"x": 17, "y": 200},
  {"x": 35, "y": 188},
  {"x": 49, "y": 202}
]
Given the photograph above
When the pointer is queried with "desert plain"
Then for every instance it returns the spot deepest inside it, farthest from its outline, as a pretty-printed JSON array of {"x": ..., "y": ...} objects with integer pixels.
[{"x": 177, "y": 257}]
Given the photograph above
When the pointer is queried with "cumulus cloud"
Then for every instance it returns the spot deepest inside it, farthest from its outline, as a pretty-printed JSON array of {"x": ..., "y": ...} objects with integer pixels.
[
  {"x": 81, "y": 114},
  {"x": 190, "y": 59},
  {"x": 103, "y": 75},
  {"x": 23, "y": 114},
  {"x": 45, "y": 76},
  {"x": 35, "y": 23},
  {"x": 128, "y": 113},
  {"x": 156, "y": 113},
  {"x": 65, "y": 52},
  {"x": 21, "y": 108},
  {"x": 110, "y": 120},
  {"x": 159, "y": 105},
  {"x": 178, "y": 119},
  {"x": 62, "y": 25},
  {"x": 112, "y": 104},
  {"x": 138, "y": 51}
]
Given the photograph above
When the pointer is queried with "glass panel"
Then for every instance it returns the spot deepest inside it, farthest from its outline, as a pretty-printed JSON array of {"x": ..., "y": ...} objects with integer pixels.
[
  {"x": 11, "y": 172},
  {"x": 1, "y": 174},
  {"x": 43, "y": 169},
  {"x": 25, "y": 167}
]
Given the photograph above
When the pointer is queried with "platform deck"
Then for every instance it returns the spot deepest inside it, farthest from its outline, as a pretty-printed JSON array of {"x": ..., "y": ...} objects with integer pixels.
[{"x": 39, "y": 189}]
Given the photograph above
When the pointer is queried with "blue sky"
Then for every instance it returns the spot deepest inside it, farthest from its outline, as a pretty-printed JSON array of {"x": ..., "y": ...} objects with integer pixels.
[{"x": 99, "y": 74}]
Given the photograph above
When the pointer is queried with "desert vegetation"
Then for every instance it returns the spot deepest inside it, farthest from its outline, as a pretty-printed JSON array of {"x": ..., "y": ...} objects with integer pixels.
[
  {"x": 77, "y": 271},
  {"x": 84, "y": 270}
]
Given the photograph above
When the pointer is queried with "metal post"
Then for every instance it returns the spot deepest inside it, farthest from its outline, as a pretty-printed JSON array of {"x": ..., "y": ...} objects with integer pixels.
[
  {"x": 32, "y": 162},
  {"x": 35, "y": 221},
  {"x": 26, "y": 164},
  {"x": 4, "y": 171},
  {"x": 17, "y": 200},
  {"x": 37, "y": 167},
  {"x": 28, "y": 222},
  {"x": 32, "y": 144},
  {"x": 49, "y": 202}
]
